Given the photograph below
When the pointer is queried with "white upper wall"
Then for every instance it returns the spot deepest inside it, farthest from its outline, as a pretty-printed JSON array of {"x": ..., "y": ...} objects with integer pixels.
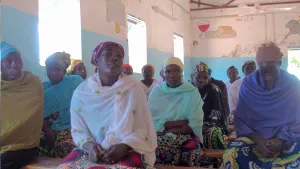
[
  {"x": 159, "y": 28},
  {"x": 242, "y": 35}
]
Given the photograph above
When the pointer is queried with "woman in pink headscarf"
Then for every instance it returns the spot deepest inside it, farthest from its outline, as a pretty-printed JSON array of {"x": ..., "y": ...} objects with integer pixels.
[{"x": 110, "y": 118}]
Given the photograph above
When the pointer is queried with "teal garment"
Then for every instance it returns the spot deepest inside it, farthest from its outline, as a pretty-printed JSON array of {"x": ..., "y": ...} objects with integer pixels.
[
  {"x": 173, "y": 104},
  {"x": 7, "y": 48},
  {"x": 57, "y": 99}
]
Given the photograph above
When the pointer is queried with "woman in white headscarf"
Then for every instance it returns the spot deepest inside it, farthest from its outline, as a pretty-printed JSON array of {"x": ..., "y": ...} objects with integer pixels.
[
  {"x": 110, "y": 118},
  {"x": 177, "y": 113}
]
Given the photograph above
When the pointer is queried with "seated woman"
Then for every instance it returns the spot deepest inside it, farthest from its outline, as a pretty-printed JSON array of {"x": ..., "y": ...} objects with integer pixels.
[
  {"x": 56, "y": 140},
  {"x": 110, "y": 117},
  {"x": 77, "y": 67},
  {"x": 267, "y": 117},
  {"x": 21, "y": 110},
  {"x": 178, "y": 117},
  {"x": 149, "y": 82},
  {"x": 214, "y": 127},
  {"x": 127, "y": 69},
  {"x": 248, "y": 68}
]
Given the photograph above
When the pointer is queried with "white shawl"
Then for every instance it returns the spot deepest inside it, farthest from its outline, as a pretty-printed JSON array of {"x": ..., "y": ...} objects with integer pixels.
[
  {"x": 113, "y": 115},
  {"x": 149, "y": 89}
]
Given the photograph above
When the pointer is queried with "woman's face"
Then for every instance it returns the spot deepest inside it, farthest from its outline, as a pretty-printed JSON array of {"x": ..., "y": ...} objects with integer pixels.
[
  {"x": 201, "y": 79},
  {"x": 55, "y": 72},
  {"x": 80, "y": 70},
  {"x": 249, "y": 68},
  {"x": 173, "y": 75},
  {"x": 148, "y": 72},
  {"x": 232, "y": 74},
  {"x": 11, "y": 66},
  {"x": 127, "y": 71},
  {"x": 269, "y": 70},
  {"x": 110, "y": 60}
]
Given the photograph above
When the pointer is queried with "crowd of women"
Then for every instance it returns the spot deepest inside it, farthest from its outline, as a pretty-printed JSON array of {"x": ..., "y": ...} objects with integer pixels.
[{"x": 113, "y": 120}]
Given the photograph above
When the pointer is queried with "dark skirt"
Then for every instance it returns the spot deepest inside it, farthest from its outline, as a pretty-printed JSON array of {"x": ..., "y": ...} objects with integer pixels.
[
  {"x": 242, "y": 154},
  {"x": 17, "y": 159},
  {"x": 62, "y": 147},
  {"x": 79, "y": 159}
]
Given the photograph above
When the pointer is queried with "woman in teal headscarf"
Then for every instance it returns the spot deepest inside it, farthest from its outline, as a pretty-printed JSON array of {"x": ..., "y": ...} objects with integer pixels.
[
  {"x": 57, "y": 140},
  {"x": 176, "y": 109}
]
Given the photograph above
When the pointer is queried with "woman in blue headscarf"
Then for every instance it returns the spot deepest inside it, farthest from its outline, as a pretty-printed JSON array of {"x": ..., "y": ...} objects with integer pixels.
[
  {"x": 267, "y": 119},
  {"x": 57, "y": 140}
]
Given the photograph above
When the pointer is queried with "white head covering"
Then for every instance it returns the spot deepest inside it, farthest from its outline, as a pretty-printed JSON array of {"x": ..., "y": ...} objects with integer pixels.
[{"x": 173, "y": 61}]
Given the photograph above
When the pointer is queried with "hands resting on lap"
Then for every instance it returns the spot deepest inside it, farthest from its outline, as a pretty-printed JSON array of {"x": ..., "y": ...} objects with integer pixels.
[
  {"x": 176, "y": 127},
  {"x": 267, "y": 148},
  {"x": 112, "y": 155}
]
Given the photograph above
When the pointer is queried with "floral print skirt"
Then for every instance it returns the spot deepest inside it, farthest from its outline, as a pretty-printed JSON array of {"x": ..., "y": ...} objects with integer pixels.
[{"x": 242, "y": 154}]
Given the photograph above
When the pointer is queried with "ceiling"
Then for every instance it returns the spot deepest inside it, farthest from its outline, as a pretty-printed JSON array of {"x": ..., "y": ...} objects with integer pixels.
[{"x": 222, "y": 4}]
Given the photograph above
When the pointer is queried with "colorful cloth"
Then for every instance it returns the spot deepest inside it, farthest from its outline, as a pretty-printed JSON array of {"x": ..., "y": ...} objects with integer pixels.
[
  {"x": 97, "y": 51},
  {"x": 113, "y": 115},
  {"x": 126, "y": 66},
  {"x": 57, "y": 99},
  {"x": 62, "y": 147},
  {"x": 214, "y": 127},
  {"x": 79, "y": 158},
  {"x": 242, "y": 154},
  {"x": 7, "y": 48},
  {"x": 21, "y": 115},
  {"x": 74, "y": 63},
  {"x": 61, "y": 58},
  {"x": 270, "y": 114},
  {"x": 179, "y": 150},
  {"x": 174, "y": 104},
  {"x": 148, "y": 65}
]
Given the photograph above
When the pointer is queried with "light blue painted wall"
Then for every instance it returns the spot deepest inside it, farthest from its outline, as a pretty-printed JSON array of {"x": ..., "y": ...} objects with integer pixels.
[{"x": 21, "y": 29}]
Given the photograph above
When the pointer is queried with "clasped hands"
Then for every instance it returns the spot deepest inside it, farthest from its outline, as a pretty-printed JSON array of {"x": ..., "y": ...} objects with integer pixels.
[
  {"x": 176, "y": 127},
  {"x": 112, "y": 155},
  {"x": 268, "y": 148}
]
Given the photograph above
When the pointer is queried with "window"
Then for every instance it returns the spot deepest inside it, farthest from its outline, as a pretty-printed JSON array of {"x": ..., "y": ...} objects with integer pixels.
[
  {"x": 294, "y": 61},
  {"x": 59, "y": 28},
  {"x": 178, "y": 47},
  {"x": 137, "y": 43}
]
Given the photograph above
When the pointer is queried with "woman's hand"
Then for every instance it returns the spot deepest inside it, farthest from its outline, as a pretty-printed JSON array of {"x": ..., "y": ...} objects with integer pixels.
[
  {"x": 96, "y": 152},
  {"x": 116, "y": 153},
  {"x": 274, "y": 145},
  {"x": 185, "y": 129},
  {"x": 175, "y": 124},
  {"x": 261, "y": 145},
  {"x": 51, "y": 137}
]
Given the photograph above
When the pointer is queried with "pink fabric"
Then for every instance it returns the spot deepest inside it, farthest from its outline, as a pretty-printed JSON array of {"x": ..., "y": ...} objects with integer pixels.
[{"x": 101, "y": 47}]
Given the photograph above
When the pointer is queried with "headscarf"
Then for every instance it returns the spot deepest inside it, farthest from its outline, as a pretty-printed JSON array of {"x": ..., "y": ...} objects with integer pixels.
[
  {"x": 74, "y": 63},
  {"x": 173, "y": 61},
  {"x": 124, "y": 66},
  {"x": 201, "y": 67},
  {"x": 270, "y": 114},
  {"x": 62, "y": 58},
  {"x": 101, "y": 47},
  {"x": 7, "y": 48},
  {"x": 251, "y": 62},
  {"x": 148, "y": 65},
  {"x": 269, "y": 52}
]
